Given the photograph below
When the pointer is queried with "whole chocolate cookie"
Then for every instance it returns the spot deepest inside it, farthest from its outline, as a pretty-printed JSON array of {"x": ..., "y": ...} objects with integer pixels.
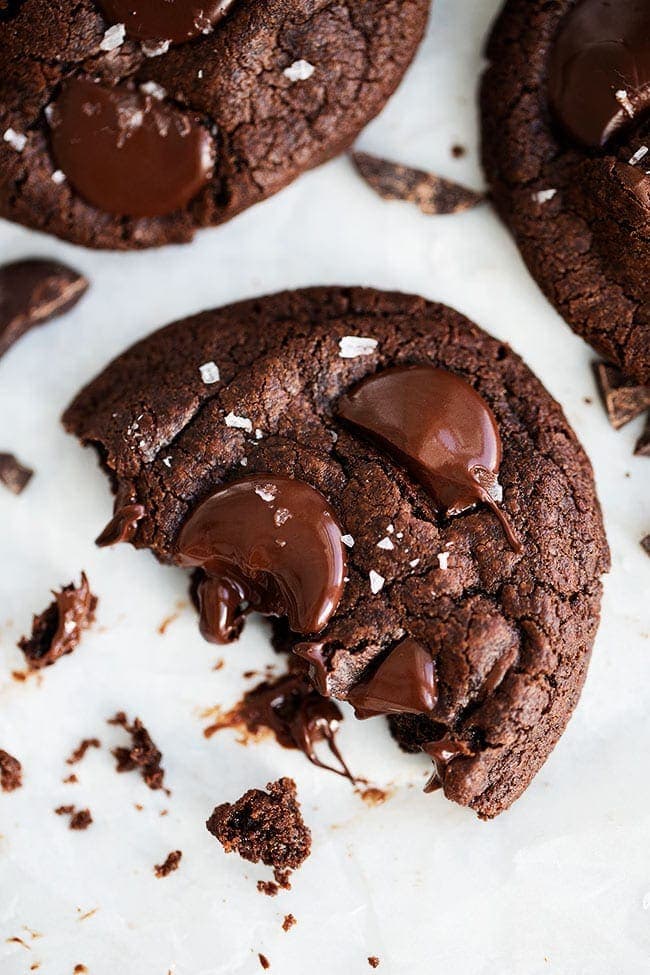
[
  {"x": 132, "y": 124},
  {"x": 566, "y": 149},
  {"x": 395, "y": 483}
]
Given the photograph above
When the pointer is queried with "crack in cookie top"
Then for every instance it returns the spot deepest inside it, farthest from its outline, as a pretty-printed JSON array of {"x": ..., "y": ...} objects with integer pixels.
[{"x": 133, "y": 124}]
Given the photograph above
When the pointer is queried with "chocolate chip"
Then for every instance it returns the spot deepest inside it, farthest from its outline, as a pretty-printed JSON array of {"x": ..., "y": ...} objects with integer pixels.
[
  {"x": 623, "y": 399},
  {"x": 13, "y": 474},
  {"x": 175, "y": 22},
  {"x": 32, "y": 292},
  {"x": 431, "y": 193}
]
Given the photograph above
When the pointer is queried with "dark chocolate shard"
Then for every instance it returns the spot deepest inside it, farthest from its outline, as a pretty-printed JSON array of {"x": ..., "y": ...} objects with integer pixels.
[
  {"x": 642, "y": 447},
  {"x": 264, "y": 826},
  {"x": 11, "y": 772},
  {"x": 14, "y": 475},
  {"x": 404, "y": 682},
  {"x": 432, "y": 194},
  {"x": 623, "y": 398},
  {"x": 59, "y": 628},
  {"x": 32, "y": 292}
]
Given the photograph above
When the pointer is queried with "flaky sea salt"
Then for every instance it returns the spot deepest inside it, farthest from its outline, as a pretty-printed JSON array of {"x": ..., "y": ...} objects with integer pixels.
[
  {"x": 210, "y": 373},
  {"x": 385, "y": 543},
  {"x": 414, "y": 562},
  {"x": 238, "y": 422},
  {"x": 543, "y": 196},
  {"x": 352, "y": 346},
  {"x": 641, "y": 152},
  {"x": 299, "y": 71},
  {"x": 281, "y": 516},
  {"x": 155, "y": 90},
  {"x": 443, "y": 560},
  {"x": 376, "y": 582},
  {"x": 268, "y": 492},
  {"x": 623, "y": 100},
  {"x": 114, "y": 37},
  {"x": 167, "y": 461},
  {"x": 244, "y": 462},
  {"x": 259, "y": 434},
  {"x": 347, "y": 540},
  {"x": 58, "y": 177},
  {"x": 16, "y": 140},
  {"x": 153, "y": 49}
]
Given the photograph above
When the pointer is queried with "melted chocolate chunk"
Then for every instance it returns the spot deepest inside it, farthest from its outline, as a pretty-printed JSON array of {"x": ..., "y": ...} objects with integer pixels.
[
  {"x": 32, "y": 292},
  {"x": 443, "y": 751},
  {"x": 404, "y": 682},
  {"x": 165, "y": 20},
  {"x": 122, "y": 526},
  {"x": 264, "y": 826},
  {"x": 298, "y": 716},
  {"x": 58, "y": 630},
  {"x": 440, "y": 428},
  {"x": 11, "y": 772},
  {"x": 270, "y": 542},
  {"x": 599, "y": 76},
  {"x": 13, "y": 474},
  {"x": 127, "y": 153},
  {"x": 143, "y": 753}
]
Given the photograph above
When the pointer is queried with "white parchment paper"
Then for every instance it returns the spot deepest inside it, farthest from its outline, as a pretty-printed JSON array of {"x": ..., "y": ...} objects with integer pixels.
[{"x": 560, "y": 884}]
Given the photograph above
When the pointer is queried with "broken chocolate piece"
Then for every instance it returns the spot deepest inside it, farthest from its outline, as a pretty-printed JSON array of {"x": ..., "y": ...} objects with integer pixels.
[
  {"x": 404, "y": 682},
  {"x": 122, "y": 526},
  {"x": 623, "y": 398},
  {"x": 642, "y": 446},
  {"x": 58, "y": 630},
  {"x": 175, "y": 22},
  {"x": 431, "y": 193},
  {"x": 264, "y": 826},
  {"x": 82, "y": 748},
  {"x": 298, "y": 716},
  {"x": 79, "y": 818},
  {"x": 11, "y": 772},
  {"x": 171, "y": 863},
  {"x": 32, "y": 292},
  {"x": 13, "y": 474},
  {"x": 143, "y": 753},
  {"x": 271, "y": 543}
]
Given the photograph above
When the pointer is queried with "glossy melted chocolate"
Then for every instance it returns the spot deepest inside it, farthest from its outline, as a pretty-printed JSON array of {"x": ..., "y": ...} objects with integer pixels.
[
  {"x": 599, "y": 72},
  {"x": 264, "y": 543},
  {"x": 404, "y": 683},
  {"x": 165, "y": 20},
  {"x": 440, "y": 428},
  {"x": 127, "y": 153}
]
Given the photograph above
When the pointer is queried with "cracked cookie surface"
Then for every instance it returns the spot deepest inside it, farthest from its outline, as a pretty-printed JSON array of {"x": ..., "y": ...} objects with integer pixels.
[
  {"x": 580, "y": 214},
  {"x": 510, "y": 632},
  {"x": 279, "y": 86}
]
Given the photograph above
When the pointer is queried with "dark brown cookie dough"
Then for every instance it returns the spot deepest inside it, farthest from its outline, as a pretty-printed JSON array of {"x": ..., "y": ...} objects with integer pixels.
[
  {"x": 272, "y": 90},
  {"x": 580, "y": 213},
  {"x": 510, "y": 632}
]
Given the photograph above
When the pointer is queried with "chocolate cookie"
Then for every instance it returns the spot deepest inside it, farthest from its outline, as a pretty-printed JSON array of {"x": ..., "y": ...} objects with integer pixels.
[
  {"x": 392, "y": 481},
  {"x": 132, "y": 124},
  {"x": 566, "y": 149}
]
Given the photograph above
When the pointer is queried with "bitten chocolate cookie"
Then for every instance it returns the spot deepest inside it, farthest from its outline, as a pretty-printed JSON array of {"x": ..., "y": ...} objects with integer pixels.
[
  {"x": 396, "y": 486},
  {"x": 566, "y": 149},
  {"x": 133, "y": 124}
]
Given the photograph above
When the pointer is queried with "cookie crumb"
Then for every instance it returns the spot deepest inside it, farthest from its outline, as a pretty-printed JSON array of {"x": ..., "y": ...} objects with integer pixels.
[
  {"x": 645, "y": 544},
  {"x": 433, "y": 195},
  {"x": 13, "y": 474},
  {"x": 300, "y": 70},
  {"x": 288, "y": 923},
  {"x": 264, "y": 962},
  {"x": 143, "y": 753},
  {"x": 57, "y": 631},
  {"x": 11, "y": 772},
  {"x": 79, "y": 818},
  {"x": 268, "y": 887},
  {"x": 373, "y": 961},
  {"x": 171, "y": 863},
  {"x": 458, "y": 151},
  {"x": 81, "y": 750},
  {"x": 70, "y": 780}
]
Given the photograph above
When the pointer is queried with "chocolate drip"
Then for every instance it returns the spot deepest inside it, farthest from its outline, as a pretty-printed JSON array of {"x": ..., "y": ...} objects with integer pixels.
[
  {"x": 443, "y": 751},
  {"x": 404, "y": 682},
  {"x": 599, "y": 72},
  {"x": 440, "y": 428},
  {"x": 127, "y": 153},
  {"x": 298, "y": 716},
  {"x": 122, "y": 526},
  {"x": 269, "y": 544},
  {"x": 166, "y": 20}
]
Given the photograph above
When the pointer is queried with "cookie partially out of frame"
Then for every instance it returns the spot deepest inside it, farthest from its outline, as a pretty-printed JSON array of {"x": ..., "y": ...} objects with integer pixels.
[
  {"x": 114, "y": 136},
  {"x": 499, "y": 628},
  {"x": 566, "y": 150}
]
